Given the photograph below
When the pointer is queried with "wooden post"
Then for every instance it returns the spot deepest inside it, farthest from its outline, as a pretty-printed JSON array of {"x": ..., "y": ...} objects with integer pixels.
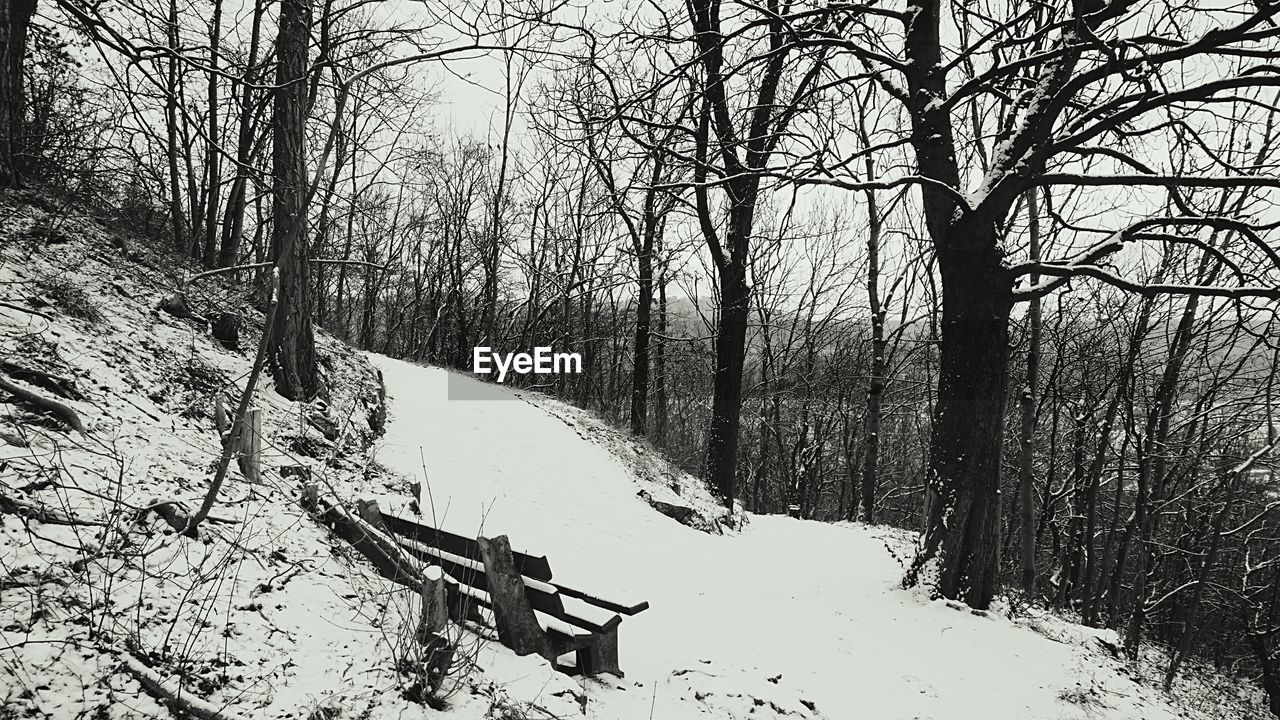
[
  {"x": 220, "y": 417},
  {"x": 437, "y": 651},
  {"x": 435, "y": 615},
  {"x": 251, "y": 446},
  {"x": 310, "y": 496},
  {"x": 372, "y": 514},
  {"x": 518, "y": 627}
]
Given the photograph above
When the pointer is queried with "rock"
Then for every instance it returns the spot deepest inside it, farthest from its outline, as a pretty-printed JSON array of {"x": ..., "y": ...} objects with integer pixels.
[
  {"x": 176, "y": 305},
  {"x": 682, "y": 514},
  {"x": 226, "y": 330}
]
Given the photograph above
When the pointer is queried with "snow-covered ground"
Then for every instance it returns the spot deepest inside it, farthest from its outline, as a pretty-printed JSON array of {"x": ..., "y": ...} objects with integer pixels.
[
  {"x": 267, "y": 615},
  {"x": 785, "y": 611}
]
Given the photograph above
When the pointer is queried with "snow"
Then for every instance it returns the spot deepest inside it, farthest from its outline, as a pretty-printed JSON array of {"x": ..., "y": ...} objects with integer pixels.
[
  {"x": 268, "y": 616},
  {"x": 817, "y": 604}
]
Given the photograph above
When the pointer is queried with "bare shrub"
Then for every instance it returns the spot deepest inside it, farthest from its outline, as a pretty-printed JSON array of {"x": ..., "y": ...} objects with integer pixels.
[{"x": 70, "y": 298}]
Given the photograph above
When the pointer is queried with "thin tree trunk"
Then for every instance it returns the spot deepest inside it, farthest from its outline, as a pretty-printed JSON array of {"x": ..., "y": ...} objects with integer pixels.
[
  {"x": 1236, "y": 477},
  {"x": 660, "y": 367},
  {"x": 644, "y": 305},
  {"x": 214, "y": 173},
  {"x": 1027, "y": 430},
  {"x": 875, "y": 387},
  {"x": 176, "y": 214},
  {"x": 233, "y": 222}
]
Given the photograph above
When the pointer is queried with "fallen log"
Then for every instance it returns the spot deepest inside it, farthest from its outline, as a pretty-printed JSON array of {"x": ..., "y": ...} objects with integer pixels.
[
  {"x": 56, "y": 384},
  {"x": 182, "y": 703},
  {"x": 49, "y": 516}
]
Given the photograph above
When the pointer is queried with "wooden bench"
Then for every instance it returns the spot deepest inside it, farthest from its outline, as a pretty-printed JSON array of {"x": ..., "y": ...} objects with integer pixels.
[{"x": 574, "y": 621}]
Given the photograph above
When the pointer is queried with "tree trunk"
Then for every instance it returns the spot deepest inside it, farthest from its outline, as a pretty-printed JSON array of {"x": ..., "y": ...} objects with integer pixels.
[
  {"x": 15, "y": 19},
  {"x": 726, "y": 404},
  {"x": 640, "y": 366},
  {"x": 1202, "y": 577},
  {"x": 210, "y": 250},
  {"x": 1154, "y": 460},
  {"x": 293, "y": 347},
  {"x": 660, "y": 368},
  {"x": 875, "y": 387},
  {"x": 1027, "y": 430},
  {"x": 233, "y": 222},
  {"x": 962, "y": 496},
  {"x": 171, "y": 128},
  {"x": 1270, "y": 672}
]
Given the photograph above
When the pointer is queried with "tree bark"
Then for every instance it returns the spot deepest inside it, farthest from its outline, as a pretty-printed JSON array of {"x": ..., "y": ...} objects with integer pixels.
[
  {"x": 1027, "y": 430},
  {"x": 875, "y": 387},
  {"x": 517, "y": 625},
  {"x": 293, "y": 361},
  {"x": 962, "y": 496},
  {"x": 720, "y": 470},
  {"x": 171, "y": 127},
  {"x": 214, "y": 174},
  {"x": 660, "y": 368},
  {"x": 640, "y": 365},
  {"x": 15, "y": 20}
]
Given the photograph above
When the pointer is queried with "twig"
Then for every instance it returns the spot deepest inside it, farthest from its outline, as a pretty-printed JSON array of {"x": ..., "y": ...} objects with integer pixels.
[
  {"x": 19, "y": 308},
  {"x": 261, "y": 265}
]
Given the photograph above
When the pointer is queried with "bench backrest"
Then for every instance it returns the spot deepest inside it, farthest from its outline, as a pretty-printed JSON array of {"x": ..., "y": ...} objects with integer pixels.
[{"x": 531, "y": 566}]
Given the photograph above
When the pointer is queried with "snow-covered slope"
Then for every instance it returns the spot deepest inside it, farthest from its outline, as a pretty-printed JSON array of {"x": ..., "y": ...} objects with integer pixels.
[{"x": 788, "y": 612}]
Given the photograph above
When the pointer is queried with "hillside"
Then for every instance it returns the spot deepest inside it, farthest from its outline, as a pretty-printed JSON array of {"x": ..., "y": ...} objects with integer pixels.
[{"x": 267, "y": 615}]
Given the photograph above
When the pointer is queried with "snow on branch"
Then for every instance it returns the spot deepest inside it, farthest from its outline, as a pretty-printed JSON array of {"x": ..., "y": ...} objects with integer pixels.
[
  {"x": 1063, "y": 272},
  {"x": 1221, "y": 181},
  {"x": 1085, "y": 263}
]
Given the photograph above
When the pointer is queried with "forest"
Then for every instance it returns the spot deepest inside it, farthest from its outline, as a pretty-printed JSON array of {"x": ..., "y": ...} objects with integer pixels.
[{"x": 1004, "y": 273}]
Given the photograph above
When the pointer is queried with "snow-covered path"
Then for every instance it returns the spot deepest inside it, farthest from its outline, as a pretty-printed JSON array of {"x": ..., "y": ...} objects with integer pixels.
[{"x": 818, "y": 604}]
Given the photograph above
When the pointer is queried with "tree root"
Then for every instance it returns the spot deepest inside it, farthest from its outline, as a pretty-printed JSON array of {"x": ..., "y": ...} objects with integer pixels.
[{"x": 39, "y": 402}]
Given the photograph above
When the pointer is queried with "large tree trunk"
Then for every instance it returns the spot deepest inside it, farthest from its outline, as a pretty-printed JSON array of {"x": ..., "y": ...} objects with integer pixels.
[
  {"x": 962, "y": 497},
  {"x": 15, "y": 19},
  {"x": 660, "y": 367},
  {"x": 293, "y": 347},
  {"x": 640, "y": 366},
  {"x": 726, "y": 404}
]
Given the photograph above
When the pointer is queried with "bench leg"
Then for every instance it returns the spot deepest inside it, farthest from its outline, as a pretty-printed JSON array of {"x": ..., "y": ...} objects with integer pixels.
[{"x": 601, "y": 656}]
